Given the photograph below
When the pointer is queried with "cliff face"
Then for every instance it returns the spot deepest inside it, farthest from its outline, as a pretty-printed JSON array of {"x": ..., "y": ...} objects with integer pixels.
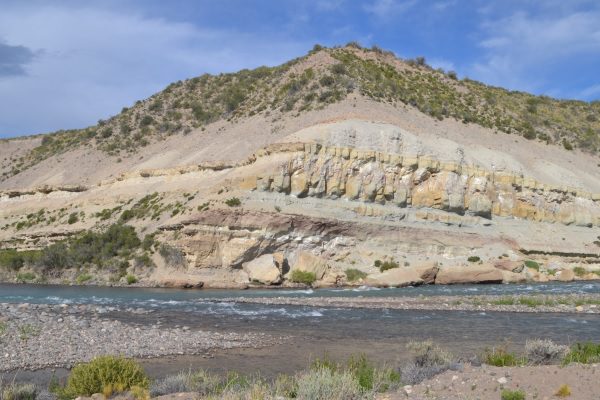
[{"x": 424, "y": 182}]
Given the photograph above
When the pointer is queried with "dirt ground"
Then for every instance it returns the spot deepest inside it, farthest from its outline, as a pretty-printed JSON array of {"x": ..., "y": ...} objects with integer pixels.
[{"x": 487, "y": 382}]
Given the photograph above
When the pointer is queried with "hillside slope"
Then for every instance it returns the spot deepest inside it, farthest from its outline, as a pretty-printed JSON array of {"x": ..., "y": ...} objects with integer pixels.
[{"x": 343, "y": 160}]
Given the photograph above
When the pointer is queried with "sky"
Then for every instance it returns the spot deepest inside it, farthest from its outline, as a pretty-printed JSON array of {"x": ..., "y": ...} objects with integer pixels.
[{"x": 67, "y": 64}]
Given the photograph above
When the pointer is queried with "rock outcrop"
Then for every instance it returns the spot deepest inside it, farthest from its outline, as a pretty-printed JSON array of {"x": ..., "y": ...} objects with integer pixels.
[
  {"x": 425, "y": 182},
  {"x": 469, "y": 274}
]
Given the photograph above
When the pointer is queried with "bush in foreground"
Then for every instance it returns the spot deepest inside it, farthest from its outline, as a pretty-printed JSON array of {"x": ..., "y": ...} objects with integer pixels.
[
  {"x": 544, "y": 352},
  {"x": 18, "y": 391},
  {"x": 104, "y": 374},
  {"x": 325, "y": 383},
  {"x": 428, "y": 360},
  {"x": 512, "y": 395},
  {"x": 500, "y": 357},
  {"x": 585, "y": 353}
]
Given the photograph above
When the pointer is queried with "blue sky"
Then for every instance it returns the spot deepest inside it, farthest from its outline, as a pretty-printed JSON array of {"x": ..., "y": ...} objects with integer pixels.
[{"x": 66, "y": 64}]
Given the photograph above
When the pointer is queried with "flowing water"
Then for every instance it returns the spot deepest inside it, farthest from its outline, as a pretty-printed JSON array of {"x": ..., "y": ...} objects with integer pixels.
[{"x": 380, "y": 333}]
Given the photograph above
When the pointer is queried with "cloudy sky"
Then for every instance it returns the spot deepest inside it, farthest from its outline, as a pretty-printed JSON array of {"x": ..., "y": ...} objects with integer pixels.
[{"x": 66, "y": 64}]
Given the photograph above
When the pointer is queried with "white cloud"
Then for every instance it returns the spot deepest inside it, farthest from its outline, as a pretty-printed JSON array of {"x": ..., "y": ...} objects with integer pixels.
[
  {"x": 387, "y": 9},
  {"x": 521, "y": 51},
  {"x": 92, "y": 62}
]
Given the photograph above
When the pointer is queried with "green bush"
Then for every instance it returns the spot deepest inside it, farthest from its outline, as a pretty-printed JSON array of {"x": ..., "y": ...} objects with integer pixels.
[
  {"x": 117, "y": 373},
  {"x": 473, "y": 259},
  {"x": 131, "y": 279},
  {"x": 512, "y": 394},
  {"x": 501, "y": 358},
  {"x": 354, "y": 274},
  {"x": 11, "y": 259},
  {"x": 532, "y": 264},
  {"x": 24, "y": 277},
  {"x": 233, "y": 202},
  {"x": 305, "y": 277},
  {"x": 324, "y": 383},
  {"x": 73, "y": 218},
  {"x": 386, "y": 265},
  {"x": 82, "y": 278},
  {"x": 16, "y": 391},
  {"x": 579, "y": 271},
  {"x": 584, "y": 353}
]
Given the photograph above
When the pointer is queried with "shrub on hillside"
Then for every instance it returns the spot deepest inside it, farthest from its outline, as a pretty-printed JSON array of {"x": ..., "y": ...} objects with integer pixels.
[
  {"x": 104, "y": 374},
  {"x": 353, "y": 274},
  {"x": 305, "y": 277},
  {"x": 473, "y": 259},
  {"x": 500, "y": 357},
  {"x": 233, "y": 202},
  {"x": 386, "y": 265},
  {"x": 172, "y": 255}
]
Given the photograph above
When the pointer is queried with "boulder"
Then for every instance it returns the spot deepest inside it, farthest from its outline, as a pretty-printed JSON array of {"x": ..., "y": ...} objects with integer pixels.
[
  {"x": 396, "y": 277},
  {"x": 308, "y": 262},
  {"x": 263, "y": 269},
  {"x": 472, "y": 274},
  {"x": 566, "y": 275},
  {"x": 427, "y": 271},
  {"x": 182, "y": 284},
  {"x": 512, "y": 277},
  {"x": 509, "y": 265}
]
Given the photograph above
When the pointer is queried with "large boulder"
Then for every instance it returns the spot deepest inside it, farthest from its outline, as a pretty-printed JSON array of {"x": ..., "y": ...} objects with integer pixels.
[
  {"x": 263, "y": 269},
  {"x": 427, "y": 271},
  {"x": 472, "y": 274},
  {"x": 396, "y": 277},
  {"x": 308, "y": 262},
  {"x": 509, "y": 265},
  {"x": 566, "y": 275},
  {"x": 513, "y": 277}
]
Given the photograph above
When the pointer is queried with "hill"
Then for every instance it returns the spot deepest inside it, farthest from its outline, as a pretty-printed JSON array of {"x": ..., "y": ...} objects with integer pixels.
[{"x": 345, "y": 159}]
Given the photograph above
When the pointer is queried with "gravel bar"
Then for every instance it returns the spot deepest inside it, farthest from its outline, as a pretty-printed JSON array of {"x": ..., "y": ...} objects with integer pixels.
[
  {"x": 35, "y": 336},
  {"x": 579, "y": 303}
]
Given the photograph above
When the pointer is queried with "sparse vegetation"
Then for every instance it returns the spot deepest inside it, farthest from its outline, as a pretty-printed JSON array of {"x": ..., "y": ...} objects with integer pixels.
[
  {"x": 197, "y": 102},
  {"x": 428, "y": 360},
  {"x": 233, "y": 202},
  {"x": 579, "y": 271},
  {"x": 131, "y": 279},
  {"x": 584, "y": 353},
  {"x": 544, "y": 352},
  {"x": 386, "y": 265},
  {"x": 305, "y": 277},
  {"x": 353, "y": 274},
  {"x": 508, "y": 394},
  {"x": 500, "y": 357},
  {"x": 473, "y": 259},
  {"x": 532, "y": 264},
  {"x": 16, "y": 391},
  {"x": 563, "y": 391},
  {"x": 172, "y": 255}
]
